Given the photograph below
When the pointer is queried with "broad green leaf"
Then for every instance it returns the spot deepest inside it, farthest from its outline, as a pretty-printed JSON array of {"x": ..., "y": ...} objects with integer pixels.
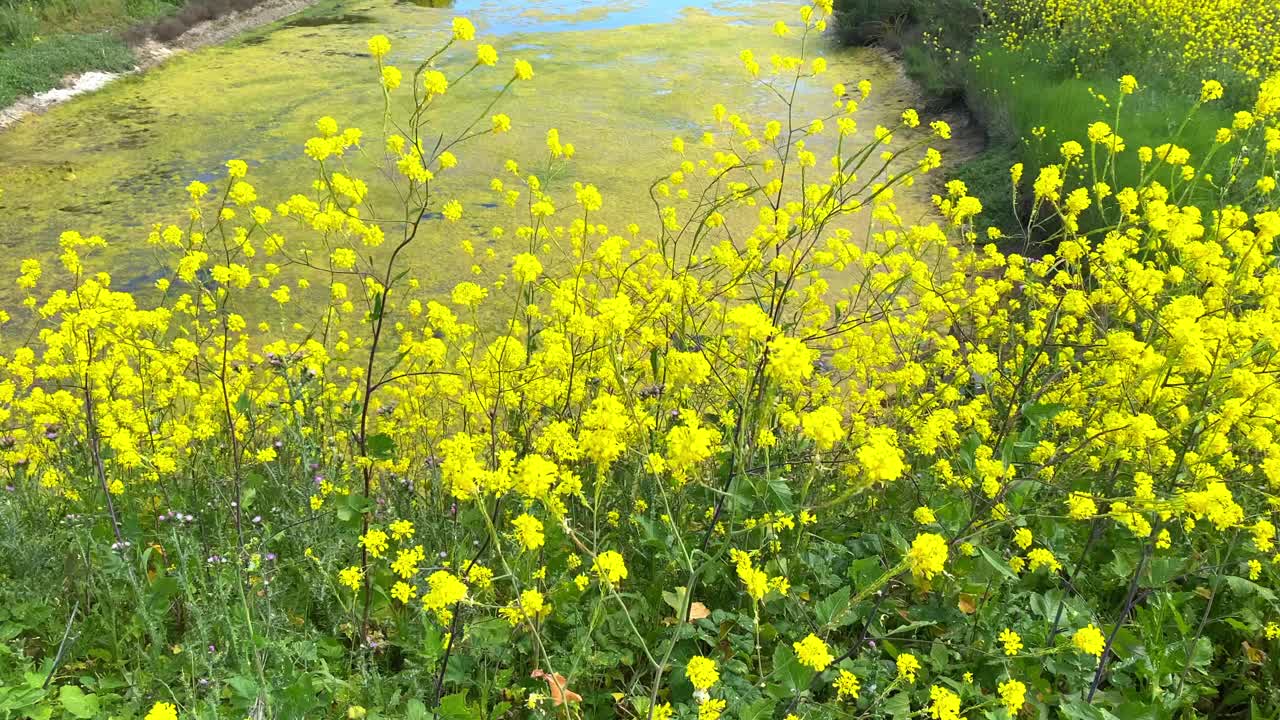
[
  {"x": 832, "y": 607},
  {"x": 898, "y": 705},
  {"x": 1039, "y": 413},
  {"x": 454, "y": 707},
  {"x": 1245, "y": 587},
  {"x": 76, "y": 702},
  {"x": 675, "y": 599},
  {"x": 1000, "y": 565},
  {"x": 416, "y": 710},
  {"x": 381, "y": 446},
  {"x": 758, "y": 711},
  {"x": 163, "y": 589}
]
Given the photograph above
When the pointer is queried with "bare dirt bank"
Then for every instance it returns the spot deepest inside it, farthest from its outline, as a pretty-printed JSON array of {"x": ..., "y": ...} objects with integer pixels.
[{"x": 151, "y": 53}]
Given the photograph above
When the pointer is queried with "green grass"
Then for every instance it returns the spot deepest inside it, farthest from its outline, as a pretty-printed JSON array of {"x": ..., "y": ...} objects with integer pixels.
[
  {"x": 42, "y": 65},
  {"x": 41, "y": 41},
  {"x": 1012, "y": 93},
  {"x": 942, "y": 82},
  {"x": 1013, "y": 97},
  {"x": 17, "y": 25},
  {"x": 987, "y": 178},
  {"x": 22, "y": 21}
]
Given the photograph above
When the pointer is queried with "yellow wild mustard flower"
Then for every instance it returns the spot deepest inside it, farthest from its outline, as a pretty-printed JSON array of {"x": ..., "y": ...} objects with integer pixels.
[
  {"x": 162, "y": 711},
  {"x": 1013, "y": 695},
  {"x": 813, "y": 653},
  {"x": 908, "y": 666},
  {"x": 1089, "y": 640},
  {"x": 609, "y": 567},
  {"x": 927, "y": 556},
  {"x": 847, "y": 686},
  {"x": 701, "y": 672},
  {"x": 1011, "y": 640}
]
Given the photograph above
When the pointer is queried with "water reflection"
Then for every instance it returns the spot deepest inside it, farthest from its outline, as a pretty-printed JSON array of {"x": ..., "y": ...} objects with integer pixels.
[
  {"x": 323, "y": 20},
  {"x": 504, "y": 18}
]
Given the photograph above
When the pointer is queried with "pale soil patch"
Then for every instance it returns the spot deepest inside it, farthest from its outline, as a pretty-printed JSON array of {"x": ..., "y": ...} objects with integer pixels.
[{"x": 151, "y": 53}]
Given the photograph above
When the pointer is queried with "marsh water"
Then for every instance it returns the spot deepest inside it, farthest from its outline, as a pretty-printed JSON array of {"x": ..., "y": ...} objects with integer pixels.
[{"x": 618, "y": 79}]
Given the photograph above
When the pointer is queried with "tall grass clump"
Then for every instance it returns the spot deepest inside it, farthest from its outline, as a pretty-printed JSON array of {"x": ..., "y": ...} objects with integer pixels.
[
  {"x": 771, "y": 453},
  {"x": 1029, "y": 69}
]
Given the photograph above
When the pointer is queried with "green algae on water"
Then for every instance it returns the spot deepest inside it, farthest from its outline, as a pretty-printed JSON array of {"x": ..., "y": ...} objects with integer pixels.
[{"x": 115, "y": 162}]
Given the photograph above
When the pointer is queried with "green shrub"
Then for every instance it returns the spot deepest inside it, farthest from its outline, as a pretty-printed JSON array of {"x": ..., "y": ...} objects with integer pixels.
[
  {"x": 1045, "y": 107},
  {"x": 865, "y": 22},
  {"x": 942, "y": 79}
]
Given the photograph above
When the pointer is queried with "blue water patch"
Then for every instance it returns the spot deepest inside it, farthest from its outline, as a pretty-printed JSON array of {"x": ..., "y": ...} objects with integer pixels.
[{"x": 499, "y": 19}]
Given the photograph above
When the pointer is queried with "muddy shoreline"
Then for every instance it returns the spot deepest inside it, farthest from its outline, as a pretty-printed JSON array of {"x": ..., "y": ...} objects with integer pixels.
[{"x": 151, "y": 53}]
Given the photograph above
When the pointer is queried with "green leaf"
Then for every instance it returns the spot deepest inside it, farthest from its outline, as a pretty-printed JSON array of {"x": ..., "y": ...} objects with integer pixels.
[
  {"x": 758, "y": 711},
  {"x": 1201, "y": 654},
  {"x": 1132, "y": 710},
  {"x": 17, "y": 698},
  {"x": 493, "y": 633},
  {"x": 898, "y": 705},
  {"x": 1241, "y": 586},
  {"x": 1000, "y": 565},
  {"x": 246, "y": 689},
  {"x": 864, "y": 571},
  {"x": 416, "y": 710},
  {"x": 1164, "y": 569},
  {"x": 1077, "y": 709},
  {"x": 1045, "y": 605},
  {"x": 787, "y": 668},
  {"x": 1040, "y": 413},
  {"x": 162, "y": 591},
  {"x": 381, "y": 446},
  {"x": 833, "y": 607},
  {"x": 454, "y": 707},
  {"x": 75, "y": 701},
  {"x": 359, "y": 503},
  {"x": 911, "y": 626},
  {"x": 779, "y": 494},
  {"x": 676, "y": 599},
  {"x": 432, "y": 643}
]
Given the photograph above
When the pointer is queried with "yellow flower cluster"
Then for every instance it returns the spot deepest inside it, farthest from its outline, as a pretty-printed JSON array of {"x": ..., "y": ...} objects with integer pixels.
[
  {"x": 1228, "y": 36},
  {"x": 813, "y": 653},
  {"x": 701, "y": 672},
  {"x": 775, "y": 371}
]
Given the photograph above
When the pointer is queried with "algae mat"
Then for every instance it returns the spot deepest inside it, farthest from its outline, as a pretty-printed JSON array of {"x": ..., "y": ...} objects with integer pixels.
[{"x": 617, "y": 79}]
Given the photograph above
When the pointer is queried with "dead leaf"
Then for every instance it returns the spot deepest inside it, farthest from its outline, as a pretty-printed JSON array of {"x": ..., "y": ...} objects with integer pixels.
[
  {"x": 1256, "y": 656},
  {"x": 152, "y": 562},
  {"x": 698, "y": 611},
  {"x": 558, "y": 687},
  {"x": 967, "y": 604}
]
